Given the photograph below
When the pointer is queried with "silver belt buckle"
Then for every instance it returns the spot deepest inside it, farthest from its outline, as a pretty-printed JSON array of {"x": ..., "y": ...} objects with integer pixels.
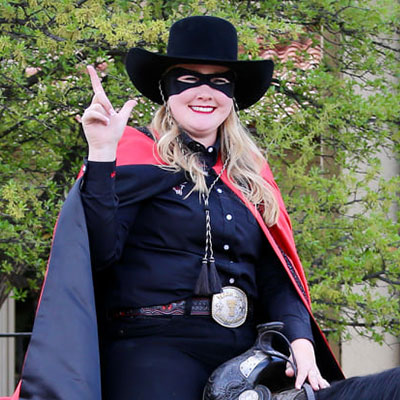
[{"x": 229, "y": 308}]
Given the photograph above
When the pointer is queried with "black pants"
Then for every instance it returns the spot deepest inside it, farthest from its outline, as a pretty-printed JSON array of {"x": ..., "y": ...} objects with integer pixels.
[{"x": 167, "y": 358}]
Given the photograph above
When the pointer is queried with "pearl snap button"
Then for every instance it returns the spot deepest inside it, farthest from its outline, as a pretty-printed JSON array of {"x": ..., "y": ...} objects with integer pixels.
[
  {"x": 226, "y": 246},
  {"x": 219, "y": 190},
  {"x": 228, "y": 217},
  {"x": 232, "y": 280},
  {"x": 210, "y": 149}
]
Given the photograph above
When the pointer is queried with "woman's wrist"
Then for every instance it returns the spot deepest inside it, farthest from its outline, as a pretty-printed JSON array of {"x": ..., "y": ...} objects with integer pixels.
[{"x": 106, "y": 154}]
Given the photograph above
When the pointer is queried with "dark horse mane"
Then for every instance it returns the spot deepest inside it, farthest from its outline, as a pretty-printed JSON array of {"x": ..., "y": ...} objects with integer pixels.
[{"x": 382, "y": 386}]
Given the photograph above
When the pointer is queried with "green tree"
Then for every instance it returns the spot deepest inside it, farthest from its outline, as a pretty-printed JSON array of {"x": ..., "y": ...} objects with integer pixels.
[{"x": 323, "y": 129}]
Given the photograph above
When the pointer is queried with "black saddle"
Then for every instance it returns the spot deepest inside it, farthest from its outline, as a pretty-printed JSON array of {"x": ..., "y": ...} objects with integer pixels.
[{"x": 259, "y": 373}]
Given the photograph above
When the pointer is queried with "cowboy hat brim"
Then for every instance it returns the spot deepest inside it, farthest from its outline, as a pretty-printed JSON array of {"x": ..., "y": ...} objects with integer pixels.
[{"x": 145, "y": 70}]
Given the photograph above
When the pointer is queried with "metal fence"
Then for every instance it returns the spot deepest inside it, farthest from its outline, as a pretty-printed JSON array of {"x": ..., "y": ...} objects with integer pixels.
[
  {"x": 15, "y": 334},
  {"x": 12, "y": 365}
]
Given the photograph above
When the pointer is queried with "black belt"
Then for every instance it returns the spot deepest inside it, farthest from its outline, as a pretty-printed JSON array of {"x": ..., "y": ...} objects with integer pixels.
[{"x": 194, "y": 306}]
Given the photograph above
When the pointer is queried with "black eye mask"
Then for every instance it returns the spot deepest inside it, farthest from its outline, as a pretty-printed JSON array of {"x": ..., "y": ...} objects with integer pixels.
[{"x": 172, "y": 85}]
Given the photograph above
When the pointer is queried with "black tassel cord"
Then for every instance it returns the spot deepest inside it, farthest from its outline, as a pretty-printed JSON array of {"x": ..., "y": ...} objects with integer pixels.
[{"x": 208, "y": 282}]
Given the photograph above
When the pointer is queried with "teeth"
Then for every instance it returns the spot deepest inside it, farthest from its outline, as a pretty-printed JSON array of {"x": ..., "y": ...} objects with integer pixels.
[{"x": 202, "y": 109}]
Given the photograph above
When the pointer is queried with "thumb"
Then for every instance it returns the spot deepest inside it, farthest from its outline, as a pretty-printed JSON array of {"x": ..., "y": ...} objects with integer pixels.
[
  {"x": 126, "y": 110},
  {"x": 289, "y": 370}
]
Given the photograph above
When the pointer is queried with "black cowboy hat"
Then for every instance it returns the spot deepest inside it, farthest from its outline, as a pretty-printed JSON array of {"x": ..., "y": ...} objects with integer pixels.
[{"x": 200, "y": 40}]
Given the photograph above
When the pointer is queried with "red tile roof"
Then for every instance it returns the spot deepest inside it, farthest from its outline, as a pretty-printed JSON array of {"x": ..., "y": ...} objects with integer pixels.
[{"x": 295, "y": 52}]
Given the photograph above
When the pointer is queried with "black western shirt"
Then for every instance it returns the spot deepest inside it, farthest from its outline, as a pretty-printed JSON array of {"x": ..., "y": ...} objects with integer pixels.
[{"x": 147, "y": 240}]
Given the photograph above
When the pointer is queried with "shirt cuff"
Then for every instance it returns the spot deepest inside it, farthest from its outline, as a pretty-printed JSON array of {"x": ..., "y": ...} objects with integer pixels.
[
  {"x": 98, "y": 177},
  {"x": 298, "y": 329}
]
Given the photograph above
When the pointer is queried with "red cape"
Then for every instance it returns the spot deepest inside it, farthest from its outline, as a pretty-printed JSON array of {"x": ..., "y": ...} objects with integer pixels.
[{"x": 62, "y": 361}]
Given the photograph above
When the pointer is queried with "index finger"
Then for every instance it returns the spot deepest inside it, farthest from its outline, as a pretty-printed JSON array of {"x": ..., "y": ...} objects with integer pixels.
[
  {"x": 99, "y": 91},
  {"x": 300, "y": 379},
  {"x": 94, "y": 78}
]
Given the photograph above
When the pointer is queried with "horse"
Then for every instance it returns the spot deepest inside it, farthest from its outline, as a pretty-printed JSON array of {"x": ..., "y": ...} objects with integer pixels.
[{"x": 380, "y": 386}]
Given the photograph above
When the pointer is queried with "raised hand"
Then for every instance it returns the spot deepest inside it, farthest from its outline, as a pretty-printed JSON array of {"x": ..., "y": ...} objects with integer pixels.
[{"x": 102, "y": 125}]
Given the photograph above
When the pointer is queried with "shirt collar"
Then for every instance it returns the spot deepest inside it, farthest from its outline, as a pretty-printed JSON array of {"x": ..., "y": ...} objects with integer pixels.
[{"x": 207, "y": 154}]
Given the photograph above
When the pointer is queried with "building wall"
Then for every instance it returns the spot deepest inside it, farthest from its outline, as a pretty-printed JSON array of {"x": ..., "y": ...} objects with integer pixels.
[{"x": 361, "y": 356}]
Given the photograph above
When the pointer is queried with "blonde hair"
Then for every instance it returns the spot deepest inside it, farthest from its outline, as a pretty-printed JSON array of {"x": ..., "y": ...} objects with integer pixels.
[{"x": 243, "y": 167}]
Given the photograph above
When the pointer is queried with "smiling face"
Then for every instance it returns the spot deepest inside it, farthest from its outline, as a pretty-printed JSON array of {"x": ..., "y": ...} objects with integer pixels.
[{"x": 201, "y": 109}]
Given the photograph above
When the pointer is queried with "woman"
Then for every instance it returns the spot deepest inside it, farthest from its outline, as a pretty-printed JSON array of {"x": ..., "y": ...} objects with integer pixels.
[{"x": 190, "y": 242}]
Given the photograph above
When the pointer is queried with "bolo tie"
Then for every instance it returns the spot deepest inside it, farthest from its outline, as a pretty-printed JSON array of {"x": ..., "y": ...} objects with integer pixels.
[{"x": 208, "y": 282}]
